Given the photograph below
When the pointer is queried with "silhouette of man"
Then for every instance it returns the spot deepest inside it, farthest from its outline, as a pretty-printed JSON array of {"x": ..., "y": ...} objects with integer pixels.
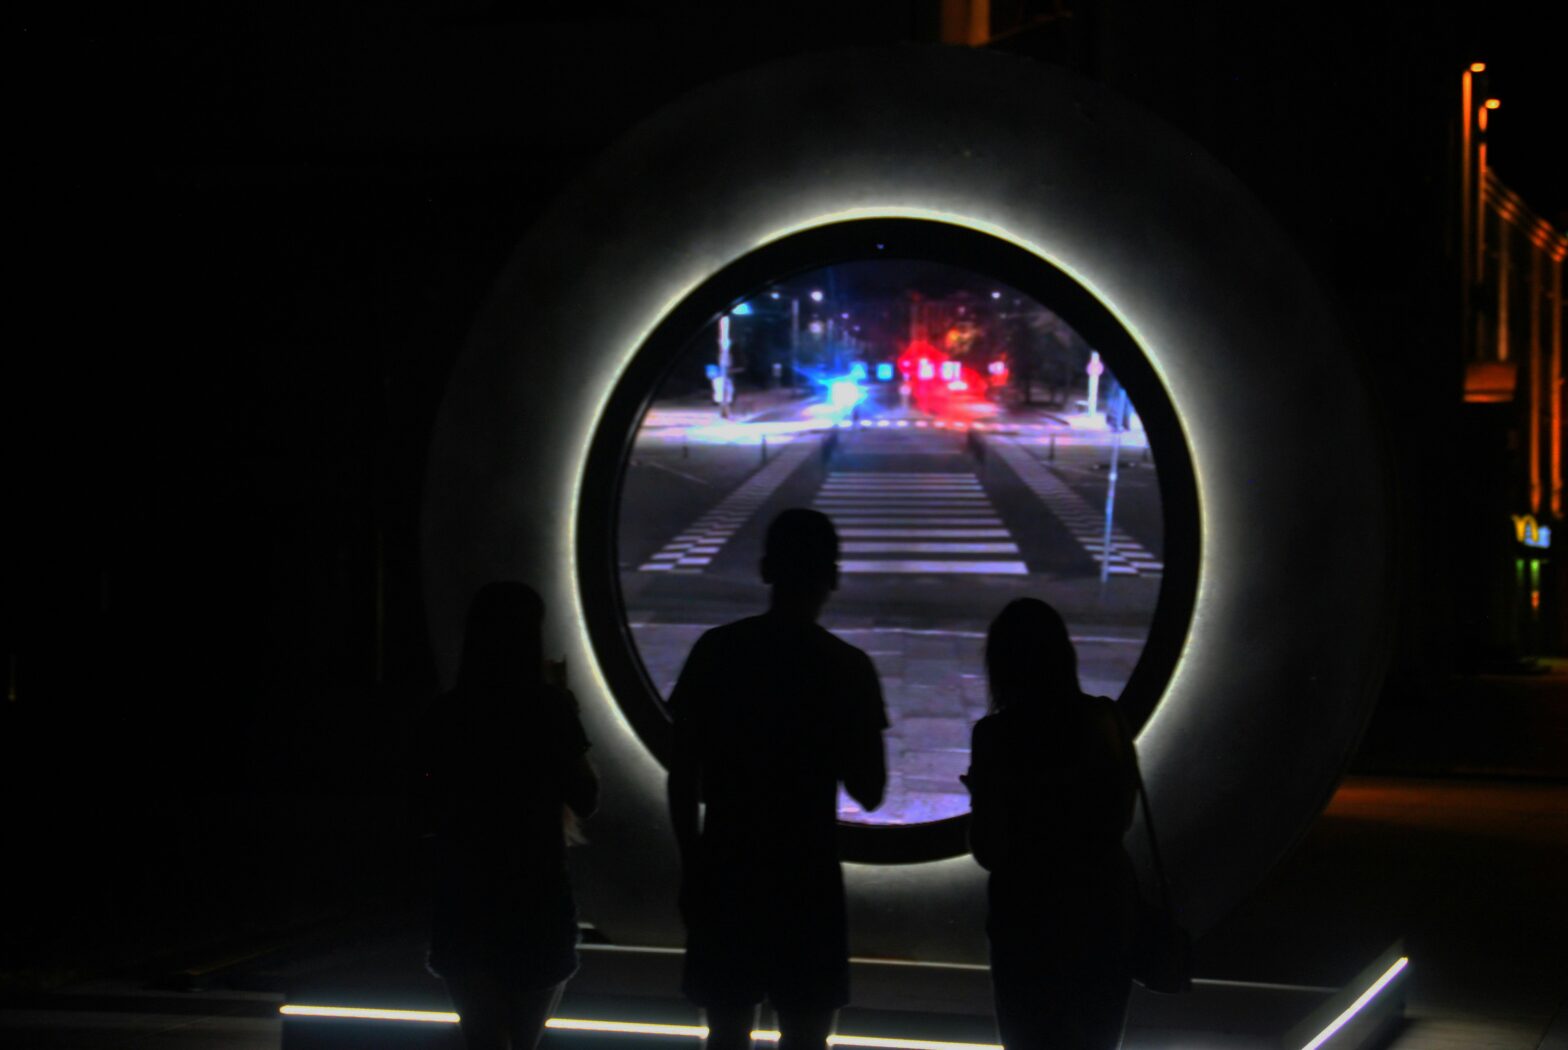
[{"x": 771, "y": 713}]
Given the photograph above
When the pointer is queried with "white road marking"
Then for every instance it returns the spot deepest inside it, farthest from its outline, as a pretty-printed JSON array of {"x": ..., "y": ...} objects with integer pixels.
[{"x": 936, "y": 568}]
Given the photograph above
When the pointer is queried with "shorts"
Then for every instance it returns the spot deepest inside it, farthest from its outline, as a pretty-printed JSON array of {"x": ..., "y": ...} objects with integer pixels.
[{"x": 788, "y": 944}]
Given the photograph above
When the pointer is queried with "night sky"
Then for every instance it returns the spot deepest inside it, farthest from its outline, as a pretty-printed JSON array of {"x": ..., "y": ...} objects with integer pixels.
[{"x": 1524, "y": 46}]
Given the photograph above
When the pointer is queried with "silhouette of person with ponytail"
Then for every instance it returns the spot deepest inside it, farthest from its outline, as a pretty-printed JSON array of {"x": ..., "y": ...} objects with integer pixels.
[
  {"x": 509, "y": 779},
  {"x": 1052, "y": 782}
]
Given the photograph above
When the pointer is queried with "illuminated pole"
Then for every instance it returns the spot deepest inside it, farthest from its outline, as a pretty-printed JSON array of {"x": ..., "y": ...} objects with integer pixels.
[
  {"x": 1555, "y": 297},
  {"x": 1537, "y": 257},
  {"x": 1466, "y": 157},
  {"x": 723, "y": 389},
  {"x": 794, "y": 337},
  {"x": 1119, "y": 412},
  {"x": 1095, "y": 369},
  {"x": 1480, "y": 187}
]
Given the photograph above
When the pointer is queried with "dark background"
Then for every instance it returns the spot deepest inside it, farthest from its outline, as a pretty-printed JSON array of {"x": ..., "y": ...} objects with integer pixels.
[{"x": 249, "y": 246}]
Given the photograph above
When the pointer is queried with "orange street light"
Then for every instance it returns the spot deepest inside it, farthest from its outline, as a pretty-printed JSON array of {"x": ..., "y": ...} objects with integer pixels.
[
  {"x": 1482, "y": 113},
  {"x": 1470, "y": 199}
]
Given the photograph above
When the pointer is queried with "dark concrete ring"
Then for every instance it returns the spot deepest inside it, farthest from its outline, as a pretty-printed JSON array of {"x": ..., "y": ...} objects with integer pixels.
[{"x": 1280, "y": 647}]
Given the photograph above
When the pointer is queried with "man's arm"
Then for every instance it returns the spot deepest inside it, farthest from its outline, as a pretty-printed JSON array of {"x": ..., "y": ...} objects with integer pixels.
[{"x": 865, "y": 772}]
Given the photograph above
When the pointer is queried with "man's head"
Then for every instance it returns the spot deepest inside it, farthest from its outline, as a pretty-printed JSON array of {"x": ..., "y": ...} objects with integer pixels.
[{"x": 800, "y": 555}]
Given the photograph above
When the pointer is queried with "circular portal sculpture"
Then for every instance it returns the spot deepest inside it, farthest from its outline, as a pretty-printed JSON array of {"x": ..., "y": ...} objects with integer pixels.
[{"x": 1275, "y": 645}]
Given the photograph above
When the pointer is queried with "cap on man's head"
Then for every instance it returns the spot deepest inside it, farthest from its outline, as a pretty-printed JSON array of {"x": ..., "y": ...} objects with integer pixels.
[{"x": 801, "y": 546}]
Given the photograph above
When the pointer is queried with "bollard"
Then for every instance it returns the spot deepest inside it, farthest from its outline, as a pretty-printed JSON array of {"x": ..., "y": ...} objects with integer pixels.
[
  {"x": 685, "y": 447},
  {"x": 763, "y": 447},
  {"x": 1051, "y": 452}
]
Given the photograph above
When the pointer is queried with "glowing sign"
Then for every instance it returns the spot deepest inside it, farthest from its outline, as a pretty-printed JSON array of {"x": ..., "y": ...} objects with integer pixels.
[
  {"x": 884, "y": 372},
  {"x": 950, "y": 370},
  {"x": 857, "y": 372},
  {"x": 1531, "y": 533},
  {"x": 924, "y": 370}
]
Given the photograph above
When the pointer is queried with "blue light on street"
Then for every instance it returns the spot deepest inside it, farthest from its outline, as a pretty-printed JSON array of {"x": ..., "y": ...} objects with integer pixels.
[
  {"x": 845, "y": 393},
  {"x": 885, "y": 372},
  {"x": 742, "y": 310}
]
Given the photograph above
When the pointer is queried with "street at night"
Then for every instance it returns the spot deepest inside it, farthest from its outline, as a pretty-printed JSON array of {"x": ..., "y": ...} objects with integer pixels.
[{"x": 942, "y": 520}]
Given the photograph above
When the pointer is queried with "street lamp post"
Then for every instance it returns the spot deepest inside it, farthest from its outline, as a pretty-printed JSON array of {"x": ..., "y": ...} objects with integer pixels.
[
  {"x": 723, "y": 385},
  {"x": 794, "y": 338},
  {"x": 1482, "y": 113},
  {"x": 1466, "y": 193}
]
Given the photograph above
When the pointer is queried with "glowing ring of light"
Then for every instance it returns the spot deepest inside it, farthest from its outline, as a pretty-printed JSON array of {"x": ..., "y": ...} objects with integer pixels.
[
  {"x": 1289, "y": 623},
  {"x": 879, "y": 239}
]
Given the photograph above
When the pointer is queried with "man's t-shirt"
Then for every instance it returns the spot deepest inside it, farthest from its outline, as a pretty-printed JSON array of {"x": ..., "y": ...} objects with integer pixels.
[
  {"x": 780, "y": 713},
  {"x": 775, "y": 713}
]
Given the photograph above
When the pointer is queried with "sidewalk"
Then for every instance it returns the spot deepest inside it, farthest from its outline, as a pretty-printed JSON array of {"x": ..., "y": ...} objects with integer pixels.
[
  {"x": 700, "y": 410},
  {"x": 1489, "y": 725}
]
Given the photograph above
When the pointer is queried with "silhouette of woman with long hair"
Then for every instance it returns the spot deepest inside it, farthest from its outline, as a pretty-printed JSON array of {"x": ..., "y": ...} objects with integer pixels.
[
  {"x": 509, "y": 779},
  {"x": 1052, "y": 782}
]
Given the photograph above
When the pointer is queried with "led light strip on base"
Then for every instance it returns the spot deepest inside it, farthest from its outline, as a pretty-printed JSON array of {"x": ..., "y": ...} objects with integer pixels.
[
  {"x": 1360, "y": 1004},
  {"x": 692, "y": 1031},
  {"x": 577, "y": 1024}
]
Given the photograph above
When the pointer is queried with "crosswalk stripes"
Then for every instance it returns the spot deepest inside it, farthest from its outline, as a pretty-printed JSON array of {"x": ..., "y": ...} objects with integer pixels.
[
  {"x": 700, "y": 542},
  {"x": 917, "y": 522},
  {"x": 1086, "y": 525}
]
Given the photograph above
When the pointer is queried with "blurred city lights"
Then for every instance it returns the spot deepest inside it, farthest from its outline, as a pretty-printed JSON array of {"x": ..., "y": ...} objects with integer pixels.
[
  {"x": 816, "y": 295},
  {"x": 742, "y": 310},
  {"x": 845, "y": 393}
]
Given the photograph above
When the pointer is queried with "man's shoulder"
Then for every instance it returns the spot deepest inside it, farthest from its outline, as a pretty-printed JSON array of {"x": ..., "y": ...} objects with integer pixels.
[
  {"x": 732, "y": 633},
  {"x": 741, "y": 639},
  {"x": 839, "y": 649}
]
